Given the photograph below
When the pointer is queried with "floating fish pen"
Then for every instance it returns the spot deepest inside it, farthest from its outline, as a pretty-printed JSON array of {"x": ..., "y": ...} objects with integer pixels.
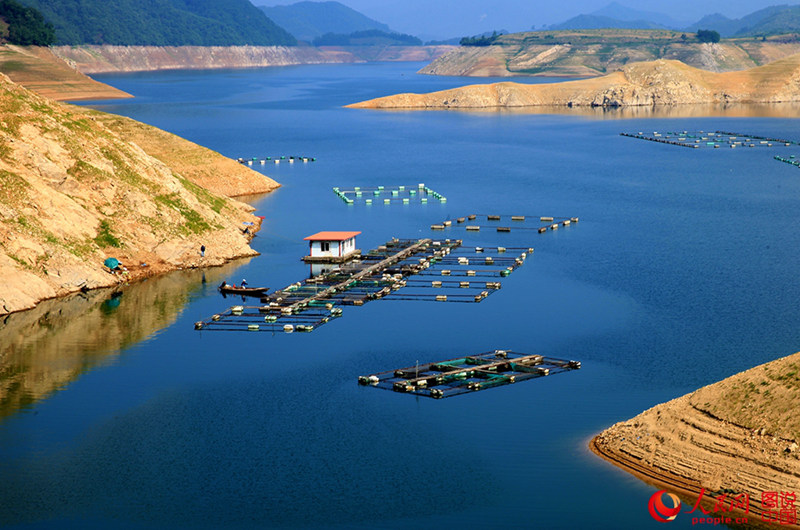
[
  {"x": 714, "y": 140},
  {"x": 419, "y": 193},
  {"x": 275, "y": 160},
  {"x": 759, "y": 138},
  {"x": 789, "y": 160},
  {"x": 388, "y": 272},
  {"x": 468, "y": 374},
  {"x": 540, "y": 223}
]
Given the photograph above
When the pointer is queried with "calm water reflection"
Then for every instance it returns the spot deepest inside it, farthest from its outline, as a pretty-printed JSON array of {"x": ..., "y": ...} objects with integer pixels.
[
  {"x": 45, "y": 349},
  {"x": 682, "y": 270}
]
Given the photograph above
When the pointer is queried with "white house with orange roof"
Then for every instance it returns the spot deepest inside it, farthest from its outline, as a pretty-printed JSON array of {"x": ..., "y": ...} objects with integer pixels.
[{"x": 331, "y": 247}]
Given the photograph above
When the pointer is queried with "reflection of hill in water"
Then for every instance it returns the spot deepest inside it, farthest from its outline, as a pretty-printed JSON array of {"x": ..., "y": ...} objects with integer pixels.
[
  {"x": 46, "y": 348},
  {"x": 736, "y": 110},
  {"x": 699, "y": 110}
]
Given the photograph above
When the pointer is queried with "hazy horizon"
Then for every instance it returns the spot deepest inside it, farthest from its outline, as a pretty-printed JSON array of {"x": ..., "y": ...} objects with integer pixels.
[{"x": 443, "y": 19}]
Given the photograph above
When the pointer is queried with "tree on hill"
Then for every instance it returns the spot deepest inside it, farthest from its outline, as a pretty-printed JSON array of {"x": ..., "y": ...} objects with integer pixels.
[
  {"x": 26, "y": 26},
  {"x": 480, "y": 40},
  {"x": 368, "y": 37},
  {"x": 707, "y": 35}
]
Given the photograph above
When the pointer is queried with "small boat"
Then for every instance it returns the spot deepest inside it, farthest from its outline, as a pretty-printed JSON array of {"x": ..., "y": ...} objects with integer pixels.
[{"x": 225, "y": 288}]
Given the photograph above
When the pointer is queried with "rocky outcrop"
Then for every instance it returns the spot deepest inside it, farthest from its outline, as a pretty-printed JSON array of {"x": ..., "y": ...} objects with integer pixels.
[
  {"x": 588, "y": 53},
  {"x": 100, "y": 59},
  {"x": 656, "y": 83},
  {"x": 737, "y": 436},
  {"x": 75, "y": 192}
]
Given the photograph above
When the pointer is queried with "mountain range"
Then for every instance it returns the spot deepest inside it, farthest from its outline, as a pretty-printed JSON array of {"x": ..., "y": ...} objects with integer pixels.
[
  {"x": 771, "y": 20},
  {"x": 309, "y": 20},
  {"x": 239, "y": 22}
]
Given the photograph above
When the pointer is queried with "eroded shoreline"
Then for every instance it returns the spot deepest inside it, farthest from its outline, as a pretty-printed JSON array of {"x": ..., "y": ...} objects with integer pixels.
[{"x": 735, "y": 437}]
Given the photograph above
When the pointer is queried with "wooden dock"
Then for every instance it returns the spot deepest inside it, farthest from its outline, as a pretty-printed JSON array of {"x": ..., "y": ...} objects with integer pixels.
[{"x": 468, "y": 374}]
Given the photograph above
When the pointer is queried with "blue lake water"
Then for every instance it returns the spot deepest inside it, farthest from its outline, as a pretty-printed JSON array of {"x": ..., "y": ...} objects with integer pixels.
[{"x": 681, "y": 271}]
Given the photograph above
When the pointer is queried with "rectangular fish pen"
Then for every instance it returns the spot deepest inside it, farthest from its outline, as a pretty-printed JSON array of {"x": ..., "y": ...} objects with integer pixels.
[
  {"x": 468, "y": 374},
  {"x": 714, "y": 140},
  {"x": 419, "y": 193},
  {"x": 381, "y": 273},
  {"x": 505, "y": 223},
  {"x": 792, "y": 160}
]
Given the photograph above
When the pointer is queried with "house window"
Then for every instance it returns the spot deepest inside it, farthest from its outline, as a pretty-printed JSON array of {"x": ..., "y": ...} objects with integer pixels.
[{"x": 325, "y": 246}]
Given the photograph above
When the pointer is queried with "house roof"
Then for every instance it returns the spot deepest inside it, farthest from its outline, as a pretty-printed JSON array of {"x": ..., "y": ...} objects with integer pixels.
[{"x": 331, "y": 236}]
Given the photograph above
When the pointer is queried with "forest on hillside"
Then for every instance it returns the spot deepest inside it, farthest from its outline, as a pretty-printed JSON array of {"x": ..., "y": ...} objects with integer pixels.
[{"x": 161, "y": 22}]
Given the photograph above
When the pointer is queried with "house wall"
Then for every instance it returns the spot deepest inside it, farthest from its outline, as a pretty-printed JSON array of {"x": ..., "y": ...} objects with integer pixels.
[{"x": 347, "y": 246}]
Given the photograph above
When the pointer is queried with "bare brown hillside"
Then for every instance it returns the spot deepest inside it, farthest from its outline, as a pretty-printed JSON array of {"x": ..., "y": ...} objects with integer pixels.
[
  {"x": 74, "y": 191},
  {"x": 38, "y": 69},
  {"x": 588, "y": 53},
  {"x": 96, "y": 59},
  {"x": 662, "y": 82},
  {"x": 739, "y": 435}
]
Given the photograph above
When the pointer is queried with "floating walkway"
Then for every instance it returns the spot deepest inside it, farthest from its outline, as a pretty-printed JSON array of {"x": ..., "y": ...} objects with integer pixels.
[
  {"x": 713, "y": 140},
  {"x": 419, "y": 193},
  {"x": 790, "y": 160},
  {"x": 468, "y": 374},
  {"x": 472, "y": 223},
  {"x": 275, "y": 160},
  {"x": 391, "y": 272}
]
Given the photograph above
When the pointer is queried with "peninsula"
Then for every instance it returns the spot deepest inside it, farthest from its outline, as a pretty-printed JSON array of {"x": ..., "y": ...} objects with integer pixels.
[
  {"x": 736, "y": 436},
  {"x": 661, "y": 82},
  {"x": 80, "y": 186}
]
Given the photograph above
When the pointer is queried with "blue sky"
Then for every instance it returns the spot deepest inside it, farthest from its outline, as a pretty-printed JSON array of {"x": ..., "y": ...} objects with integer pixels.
[{"x": 455, "y": 18}]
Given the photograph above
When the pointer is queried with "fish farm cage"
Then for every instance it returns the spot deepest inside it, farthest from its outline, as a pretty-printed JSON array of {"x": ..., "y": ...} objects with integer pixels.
[
  {"x": 401, "y": 269},
  {"x": 419, "y": 193},
  {"x": 468, "y": 374},
  {"x": 714, "y": 140}
]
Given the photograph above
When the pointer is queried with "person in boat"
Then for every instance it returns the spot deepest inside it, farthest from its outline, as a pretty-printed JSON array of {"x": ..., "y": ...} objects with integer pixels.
[
  {"x": 223, "y": 285},
  {"x": 244, "y": 283}
]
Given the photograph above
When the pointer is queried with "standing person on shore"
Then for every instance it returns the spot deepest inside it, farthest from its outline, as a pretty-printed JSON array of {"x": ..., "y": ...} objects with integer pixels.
[{"x": 202, "y": 251}]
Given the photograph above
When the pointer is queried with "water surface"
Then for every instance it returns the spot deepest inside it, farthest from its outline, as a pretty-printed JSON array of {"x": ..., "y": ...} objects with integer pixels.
[{"x": 681, "y": 271}]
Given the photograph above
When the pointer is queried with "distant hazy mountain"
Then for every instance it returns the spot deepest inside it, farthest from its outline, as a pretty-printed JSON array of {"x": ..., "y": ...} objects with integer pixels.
[
  {"x": 616, "y": 15},
  {"x": 600, "y": 22},
  {"x": 161, "y": 22},
  {"x": 618, "y": 11},
  {"x": 768, "y": 21},
  {"x": 309, "y": 20}
]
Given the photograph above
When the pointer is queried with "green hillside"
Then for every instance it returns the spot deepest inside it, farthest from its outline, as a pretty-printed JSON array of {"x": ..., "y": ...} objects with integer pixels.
[
  {"x": 774, "y": 20},
  {"x": 24, "y": 25},
  {"x": 370, "y": 37},
  {"x": 161, "y": 22},
  {"x": 309, "y": 20}
]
